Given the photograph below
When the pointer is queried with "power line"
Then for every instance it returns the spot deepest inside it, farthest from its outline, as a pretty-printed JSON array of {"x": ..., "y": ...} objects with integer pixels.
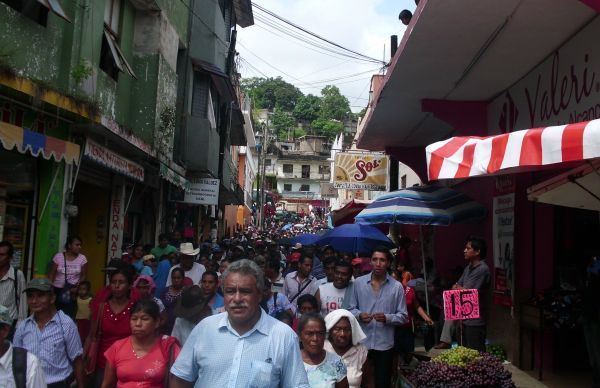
[
  {"x": 313, "y": 34},
  {"x": 306, "y": 39}
]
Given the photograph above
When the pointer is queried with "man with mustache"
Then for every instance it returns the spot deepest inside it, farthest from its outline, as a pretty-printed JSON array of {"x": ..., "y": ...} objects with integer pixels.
[{"x": 247, "y": 347}]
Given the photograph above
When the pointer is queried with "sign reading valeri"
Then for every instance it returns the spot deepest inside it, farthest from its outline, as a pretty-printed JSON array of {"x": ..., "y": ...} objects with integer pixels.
[
  {"x": 360, "y": 171},
  {"x": 203, "y": 191}
]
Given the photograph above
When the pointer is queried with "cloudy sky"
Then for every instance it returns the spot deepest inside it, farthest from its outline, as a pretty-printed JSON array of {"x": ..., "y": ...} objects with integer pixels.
[{"x": 364, "y": 26}]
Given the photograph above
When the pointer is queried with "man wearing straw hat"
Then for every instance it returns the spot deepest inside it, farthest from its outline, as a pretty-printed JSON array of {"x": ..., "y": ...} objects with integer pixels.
[{"x": 193, "y": 270}]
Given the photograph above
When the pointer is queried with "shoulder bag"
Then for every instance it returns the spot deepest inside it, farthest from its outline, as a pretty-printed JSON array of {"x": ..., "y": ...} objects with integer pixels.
[
  {"x": 91, "y": 357},
  {"x": 65, "y": 297}
]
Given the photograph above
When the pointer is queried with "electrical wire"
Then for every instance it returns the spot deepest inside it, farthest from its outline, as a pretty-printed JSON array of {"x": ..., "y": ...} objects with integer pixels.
[{"x": 273, "y": 14}]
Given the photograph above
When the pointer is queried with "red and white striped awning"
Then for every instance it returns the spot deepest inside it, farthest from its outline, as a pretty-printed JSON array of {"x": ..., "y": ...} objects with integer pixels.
[{"x": 462, "y": 157}]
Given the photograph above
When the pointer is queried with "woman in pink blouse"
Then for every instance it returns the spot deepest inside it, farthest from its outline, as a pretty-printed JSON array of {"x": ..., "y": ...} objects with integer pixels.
[
  {"x": 145, "y": 357},
  {"x": 68, "y": 269}
]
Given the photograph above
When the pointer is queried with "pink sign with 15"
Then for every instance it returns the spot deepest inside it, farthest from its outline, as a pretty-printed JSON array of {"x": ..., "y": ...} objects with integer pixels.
[{"x": 461, "y": 304}]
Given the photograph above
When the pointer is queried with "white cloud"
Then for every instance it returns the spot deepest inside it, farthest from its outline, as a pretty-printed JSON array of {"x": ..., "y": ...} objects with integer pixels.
[{"x": 364, "y": 26}]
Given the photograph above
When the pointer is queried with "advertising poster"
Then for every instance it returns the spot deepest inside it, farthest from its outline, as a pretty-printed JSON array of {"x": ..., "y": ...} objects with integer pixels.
[
  {"x": 503, "y": 244},
  {"x": 361, "y": 171}
]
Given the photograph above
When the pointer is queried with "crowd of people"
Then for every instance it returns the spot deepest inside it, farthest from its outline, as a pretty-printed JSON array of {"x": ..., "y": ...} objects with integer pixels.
[{"x": 246, "y": 312}]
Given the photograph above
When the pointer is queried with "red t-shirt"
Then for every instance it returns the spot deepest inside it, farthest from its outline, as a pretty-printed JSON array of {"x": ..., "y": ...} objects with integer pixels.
[{"x": 147, "y": 371}]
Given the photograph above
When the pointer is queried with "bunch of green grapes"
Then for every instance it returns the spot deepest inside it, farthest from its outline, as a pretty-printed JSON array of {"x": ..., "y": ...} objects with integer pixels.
[
  {"x": 497, "y": 351},
  {"x": 459, "y": 356}
]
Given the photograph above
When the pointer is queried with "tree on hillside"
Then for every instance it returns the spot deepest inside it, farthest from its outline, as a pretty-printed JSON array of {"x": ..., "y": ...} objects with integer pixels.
[
  {"x": 270, "y": 93},
  {"x": 307, "y": 108},
  {"x": 283, "y": 123},
  {"x": 327, "y": 127},
  {"x": 333, "y": 104}
]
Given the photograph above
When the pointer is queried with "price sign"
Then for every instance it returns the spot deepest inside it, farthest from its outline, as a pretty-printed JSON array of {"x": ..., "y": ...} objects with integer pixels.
[{"x": 461, "y": 304}]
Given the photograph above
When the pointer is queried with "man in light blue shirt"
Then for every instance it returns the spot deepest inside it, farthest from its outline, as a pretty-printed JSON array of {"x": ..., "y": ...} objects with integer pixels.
[
  {"x": 51, "y": 335},
  {"x": 379, "y": 305},
  {"x": 242, "y": 347}
]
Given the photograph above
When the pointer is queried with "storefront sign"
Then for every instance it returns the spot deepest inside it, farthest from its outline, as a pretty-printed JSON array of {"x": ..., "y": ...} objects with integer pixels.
[
  {"x": 328, "y": 191},
  {"x": 113, "y": 161},
  {"x": 361, "y": 171},
  {"x": 563, "y": 89},
  {"x": 116, "y": 221},
  {"x": 461, "y": 304},
  {"x": 503, "y": 234},
  {"x": 203, "y": 191}
]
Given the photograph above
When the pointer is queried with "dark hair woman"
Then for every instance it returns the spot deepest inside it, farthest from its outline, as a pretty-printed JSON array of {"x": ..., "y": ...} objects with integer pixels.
[
  {"x": 110, "y": 318},
  {"x": 324, "y": 369},
  {"x": 170, "y": 296},
  {"x": 144, "y": 357},
  {"x": 67, "y": 270}
]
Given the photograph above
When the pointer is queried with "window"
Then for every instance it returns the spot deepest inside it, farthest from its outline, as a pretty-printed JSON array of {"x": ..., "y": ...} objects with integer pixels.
[
  {"x": 288, "y": 168},
  {"x": 403, "y": 182},
  {"x": 267, "y": 162},
  {"x": 227, "y": 11},
  {"x": 200, "y": 95},
  {"x": 287, "y": 187},
  {"x": 306, "y": 171},
  {"x": 112, "y": 15},
  {"x": 31, "y": 9},
  {"x": 324, "y": 169},
  {"x": 304, "y": 187},
  {"x": 112, "y": 60}
]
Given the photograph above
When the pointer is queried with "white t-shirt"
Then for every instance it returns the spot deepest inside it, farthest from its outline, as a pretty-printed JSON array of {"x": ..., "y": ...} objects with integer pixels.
[
  {"x": 331, "y": 298},
  {"x": 195, "y": 273}
]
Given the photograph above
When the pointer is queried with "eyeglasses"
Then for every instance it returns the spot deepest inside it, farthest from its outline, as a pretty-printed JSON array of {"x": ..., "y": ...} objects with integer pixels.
[{"x": 339, "y": 330}]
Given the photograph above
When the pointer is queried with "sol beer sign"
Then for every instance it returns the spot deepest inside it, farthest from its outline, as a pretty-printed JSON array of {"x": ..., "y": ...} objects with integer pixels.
[{"x": 361, "y": 171}]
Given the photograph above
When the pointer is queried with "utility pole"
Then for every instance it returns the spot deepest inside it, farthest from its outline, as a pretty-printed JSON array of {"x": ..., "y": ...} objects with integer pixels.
[{"x": 262, "y": 177}]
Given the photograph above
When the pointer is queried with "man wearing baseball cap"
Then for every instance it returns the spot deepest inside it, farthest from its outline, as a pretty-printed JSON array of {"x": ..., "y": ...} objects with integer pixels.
[
  {"x": 51, "y": 335},
  {"x": 28, "y": 371}
]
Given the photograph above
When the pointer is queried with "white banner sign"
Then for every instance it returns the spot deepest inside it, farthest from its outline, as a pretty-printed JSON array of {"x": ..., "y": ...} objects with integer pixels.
[
  {"x": 113, "y": 161},
  {"x": 203, "y": 191}
]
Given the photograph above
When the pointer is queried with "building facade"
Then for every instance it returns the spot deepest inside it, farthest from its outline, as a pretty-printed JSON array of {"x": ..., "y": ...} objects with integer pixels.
[{"x": 90, "y": 101}]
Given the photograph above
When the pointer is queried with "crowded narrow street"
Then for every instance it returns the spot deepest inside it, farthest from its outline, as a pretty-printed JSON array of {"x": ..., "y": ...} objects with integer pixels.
[{"x": 299, "y": 194}]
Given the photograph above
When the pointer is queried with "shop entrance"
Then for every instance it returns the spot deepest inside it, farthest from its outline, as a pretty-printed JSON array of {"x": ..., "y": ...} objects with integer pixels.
[
  {"x": 579, "y": 231},
  {"x": 17, "y": 180},
  {"x": 91, "y": 224}
]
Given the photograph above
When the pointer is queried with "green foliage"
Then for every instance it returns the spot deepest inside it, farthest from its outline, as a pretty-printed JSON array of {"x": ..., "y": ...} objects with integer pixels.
[
  {"x": 333, "y": 104},
  {"x": 326, "y": 113},
  {"x": 271, "y": 93},
  {"x": 307, "y": 108},
  {"x": 81, "y": 71},
  {"x": 327, "y": 127},
  {"x": 282, "y": 122},
  {"x": 163, "y": 139}
]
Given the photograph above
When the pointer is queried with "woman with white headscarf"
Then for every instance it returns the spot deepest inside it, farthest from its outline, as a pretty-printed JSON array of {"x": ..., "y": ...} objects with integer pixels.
[{"x": 343, "y": 337}]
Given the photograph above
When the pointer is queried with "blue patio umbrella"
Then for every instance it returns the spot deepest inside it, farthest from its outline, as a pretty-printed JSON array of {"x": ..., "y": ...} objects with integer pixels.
[
  {"x": 422, "y": 205},
  {"x": 287, "y": 227},
  {"x": 355, "y": 238},
  {"x": 305, "y": 239}
]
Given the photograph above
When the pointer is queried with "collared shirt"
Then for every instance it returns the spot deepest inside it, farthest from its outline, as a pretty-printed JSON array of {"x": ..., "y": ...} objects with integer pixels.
[
  {"x": 477, "y": 276},
  {"x": 215, "y": 355},
  {"x": 56, "y": 345},
  {"x": 389, "y": 300},
  {"x": 291, "y": 286},
  {"x": 34, "y": 376},
  {"x": 7, "y": 294}
]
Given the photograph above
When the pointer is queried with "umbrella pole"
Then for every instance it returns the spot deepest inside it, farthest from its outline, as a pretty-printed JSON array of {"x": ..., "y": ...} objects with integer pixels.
[{"x": 424, "y": 268}]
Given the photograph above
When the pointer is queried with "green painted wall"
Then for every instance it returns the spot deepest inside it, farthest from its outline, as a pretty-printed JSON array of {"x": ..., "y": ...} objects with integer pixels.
[{"x": 177, "y": 12}]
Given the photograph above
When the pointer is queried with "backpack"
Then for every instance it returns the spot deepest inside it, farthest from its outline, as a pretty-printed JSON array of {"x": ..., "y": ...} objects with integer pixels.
[{"x": 19, "y": 366}]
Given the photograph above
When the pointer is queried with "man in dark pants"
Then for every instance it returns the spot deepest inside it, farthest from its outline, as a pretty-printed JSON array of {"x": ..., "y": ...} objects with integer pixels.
[
  {"x": 378, "y": 303},
  {"x": 476, "y": 275}
]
